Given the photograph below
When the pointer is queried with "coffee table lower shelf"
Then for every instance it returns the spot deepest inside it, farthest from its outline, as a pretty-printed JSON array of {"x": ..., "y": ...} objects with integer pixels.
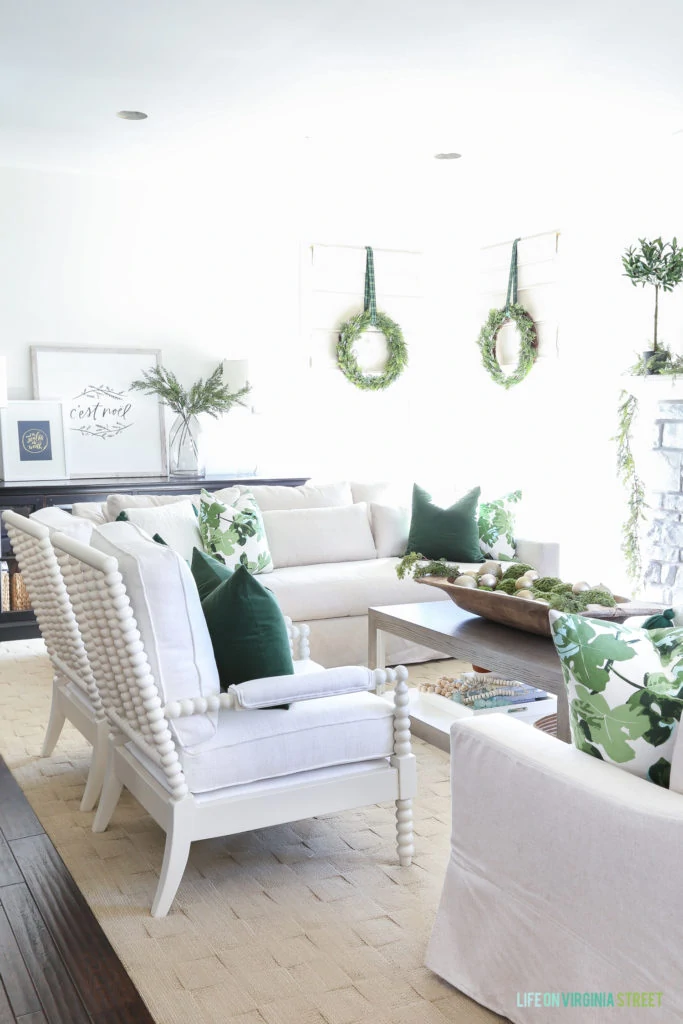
[
  {"x": 448, "y": 630},
  {"x": 431, "y": 719}
]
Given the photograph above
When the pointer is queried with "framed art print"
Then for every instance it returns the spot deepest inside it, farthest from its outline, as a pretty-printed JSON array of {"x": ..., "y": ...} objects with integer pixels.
[
  {"x": 109, "y": 430},
  {"x": 32, "y": 441}
]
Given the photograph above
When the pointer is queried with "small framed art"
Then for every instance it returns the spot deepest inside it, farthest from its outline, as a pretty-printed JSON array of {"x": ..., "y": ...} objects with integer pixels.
[{"x": 32, "y": 441}]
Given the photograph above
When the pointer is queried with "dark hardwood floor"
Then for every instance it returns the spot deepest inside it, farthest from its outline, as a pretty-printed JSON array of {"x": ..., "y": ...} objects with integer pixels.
[{"x": 56, "y": 964}]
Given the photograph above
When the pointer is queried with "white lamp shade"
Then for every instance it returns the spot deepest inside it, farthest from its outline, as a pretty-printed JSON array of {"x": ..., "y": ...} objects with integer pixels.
[
  {"x": 236, "y": 373},
  {"x": 3, "y": 382}
]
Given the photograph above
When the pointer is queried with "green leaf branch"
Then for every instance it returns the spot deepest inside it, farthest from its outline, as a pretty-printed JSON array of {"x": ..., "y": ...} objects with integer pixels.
[{"x": 211, "y": 396}]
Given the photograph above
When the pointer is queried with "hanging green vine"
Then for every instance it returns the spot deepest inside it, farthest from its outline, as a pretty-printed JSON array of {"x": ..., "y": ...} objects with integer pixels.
[{"x": 626, "y": 469}]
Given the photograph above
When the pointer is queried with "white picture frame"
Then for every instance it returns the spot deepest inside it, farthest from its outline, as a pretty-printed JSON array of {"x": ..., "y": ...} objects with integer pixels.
[
  {"x": 32, "y": 443},
  {"x": 109, "y": 430}
]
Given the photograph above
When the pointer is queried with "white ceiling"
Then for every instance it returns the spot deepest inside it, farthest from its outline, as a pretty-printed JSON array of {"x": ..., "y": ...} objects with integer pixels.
[{"x": 222, "y": 78}]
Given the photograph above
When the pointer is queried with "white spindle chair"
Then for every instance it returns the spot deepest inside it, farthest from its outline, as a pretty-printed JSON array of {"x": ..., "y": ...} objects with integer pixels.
[
  {"x": 144, "y": 751},
  {"x": 74, "y": 693}
]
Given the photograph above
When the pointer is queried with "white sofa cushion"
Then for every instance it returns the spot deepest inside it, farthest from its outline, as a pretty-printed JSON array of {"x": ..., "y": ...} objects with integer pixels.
[
  {"x": 169, "y": 617},
  {"x": 307, "y": 536},
  {"x": 95, "y": 511},
  {"x": 117, "y": 503},
  {"x": 262, "y": 744},
  {"x": 175, "y": 523},
  {"x": 390, "y": 528},
  {"x": 332, "y": 590},
  {"x": 386, "y": 492},
  {"x": 57, "y": 519},
  {"x": 276, "y": 497}
]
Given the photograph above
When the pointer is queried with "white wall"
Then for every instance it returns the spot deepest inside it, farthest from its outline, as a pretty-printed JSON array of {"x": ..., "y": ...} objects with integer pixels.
[
  {"x": 208, "y": 268},
  {"x": 204, "y": 268}
]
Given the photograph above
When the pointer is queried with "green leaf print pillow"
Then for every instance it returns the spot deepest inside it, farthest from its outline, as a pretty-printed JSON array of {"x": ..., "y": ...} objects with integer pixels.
[
  {"x": 496, "y": 520},
  {"x": 234, "y": 534},
  {"x": 625, "y": 691}
]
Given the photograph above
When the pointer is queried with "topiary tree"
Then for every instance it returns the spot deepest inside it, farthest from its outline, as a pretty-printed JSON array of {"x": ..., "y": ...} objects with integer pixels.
[{"x": 657, "y": 263}]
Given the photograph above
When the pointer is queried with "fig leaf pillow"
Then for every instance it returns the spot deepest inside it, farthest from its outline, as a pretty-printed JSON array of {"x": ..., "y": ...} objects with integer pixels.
[
  {"x": 234, "y": 532},
  {"x": 625, "y": 691},
  {"x": 496, "y": 521}
]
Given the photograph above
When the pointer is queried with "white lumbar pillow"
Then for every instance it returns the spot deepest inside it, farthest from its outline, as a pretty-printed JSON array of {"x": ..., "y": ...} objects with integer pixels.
[
  {"x": 390, "y": 528},
  {"x": 176, "y": 524},
  {"x": 312, "y": 536}
]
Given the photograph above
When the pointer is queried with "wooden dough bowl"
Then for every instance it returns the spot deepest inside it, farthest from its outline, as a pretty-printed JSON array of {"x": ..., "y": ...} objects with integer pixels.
[{"x": 526, "y": 615}]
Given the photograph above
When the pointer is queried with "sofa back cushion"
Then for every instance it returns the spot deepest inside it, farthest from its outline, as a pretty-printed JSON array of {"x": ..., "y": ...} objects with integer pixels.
[
  {"x": 176, "y": 524},
  {"x": 390, "y": 528},
  {"x": 311, "y": 536},
  {"x": 117, "y": 503},
  {"x": 277, "y": 498},
  {"x": 168, "y": 613}
]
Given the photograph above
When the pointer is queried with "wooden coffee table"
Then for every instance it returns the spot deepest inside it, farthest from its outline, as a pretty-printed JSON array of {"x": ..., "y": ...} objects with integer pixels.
[{"x": 449, "y": 630}]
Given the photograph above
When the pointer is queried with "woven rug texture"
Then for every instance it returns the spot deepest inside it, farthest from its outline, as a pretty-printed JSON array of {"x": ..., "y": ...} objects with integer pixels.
[{"x": 308, "y": 923}]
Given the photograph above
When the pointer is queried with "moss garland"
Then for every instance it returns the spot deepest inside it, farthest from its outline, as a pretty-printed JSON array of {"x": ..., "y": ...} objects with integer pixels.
[
  {"x": 351, "y": 331},
  {"x": 528, "y": 344}
]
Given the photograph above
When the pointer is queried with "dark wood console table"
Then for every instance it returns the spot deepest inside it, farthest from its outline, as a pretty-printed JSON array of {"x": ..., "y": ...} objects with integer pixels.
[{"x": 25, "y": 498}]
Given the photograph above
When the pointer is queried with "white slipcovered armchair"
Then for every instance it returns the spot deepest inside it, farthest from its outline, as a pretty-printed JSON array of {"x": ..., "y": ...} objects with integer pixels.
[
  {"x": 205, "y": 763},
  {"x": 563, "y": 879}
]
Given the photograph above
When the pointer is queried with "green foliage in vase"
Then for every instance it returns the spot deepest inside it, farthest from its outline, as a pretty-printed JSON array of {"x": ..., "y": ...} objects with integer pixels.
[
  {"x": 211, "y": 396},
  {"x": 657, "y": 263}
]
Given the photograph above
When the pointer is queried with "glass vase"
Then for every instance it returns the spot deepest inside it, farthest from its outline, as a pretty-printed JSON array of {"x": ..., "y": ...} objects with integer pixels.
[{"x": 184, "y": 447}]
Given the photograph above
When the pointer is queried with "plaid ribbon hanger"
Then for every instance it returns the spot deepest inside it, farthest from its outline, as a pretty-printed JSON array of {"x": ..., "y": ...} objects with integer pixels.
[
  {"x": 370, "y": 301},
  {"x": 512, "y": 279}
]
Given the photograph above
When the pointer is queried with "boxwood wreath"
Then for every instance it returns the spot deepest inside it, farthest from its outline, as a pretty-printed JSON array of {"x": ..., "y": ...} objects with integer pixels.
[
  {"x": 528, "y": 344},
  {"x": 528, "y": 339},
  {"x": 350, "y": 332}
]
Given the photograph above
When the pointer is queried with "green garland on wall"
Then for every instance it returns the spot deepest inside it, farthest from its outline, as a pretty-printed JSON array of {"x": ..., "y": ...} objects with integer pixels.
[{"x": 626, "y": 470}]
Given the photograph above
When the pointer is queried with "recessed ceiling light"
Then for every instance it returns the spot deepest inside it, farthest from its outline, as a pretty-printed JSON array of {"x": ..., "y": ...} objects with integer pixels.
[
  {"x": 447, "y": 156},
  {"x": 131, "y": 115}
]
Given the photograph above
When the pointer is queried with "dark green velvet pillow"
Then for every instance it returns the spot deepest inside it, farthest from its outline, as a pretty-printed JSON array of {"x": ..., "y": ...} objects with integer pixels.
[
  {"x": 208, "y": 572},
  {"x": 247, "y": 630},
  {"x": 451, "y": 533}
]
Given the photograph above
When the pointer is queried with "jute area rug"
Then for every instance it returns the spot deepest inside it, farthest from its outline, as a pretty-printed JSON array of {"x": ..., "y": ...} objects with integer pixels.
[{"x": 308, "y": 923}]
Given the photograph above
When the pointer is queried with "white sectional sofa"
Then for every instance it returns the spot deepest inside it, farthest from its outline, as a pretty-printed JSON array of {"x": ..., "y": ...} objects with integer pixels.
[{"x": 333, "y": 559}]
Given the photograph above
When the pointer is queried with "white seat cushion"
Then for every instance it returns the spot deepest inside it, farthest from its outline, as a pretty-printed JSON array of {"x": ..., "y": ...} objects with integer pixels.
[
  {"x": 253, "y": 745},
  {"x": 335, "y": 589}
]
